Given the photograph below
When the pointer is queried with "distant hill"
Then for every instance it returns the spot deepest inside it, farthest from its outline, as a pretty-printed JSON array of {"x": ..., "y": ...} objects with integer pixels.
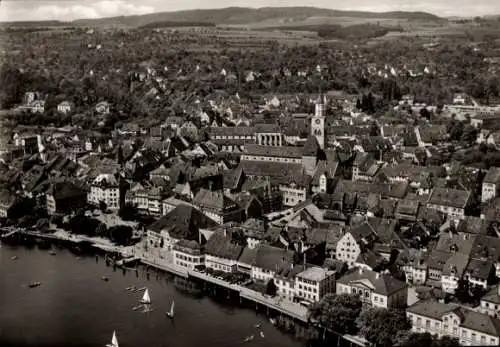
[{"x": 238, "y": 15}]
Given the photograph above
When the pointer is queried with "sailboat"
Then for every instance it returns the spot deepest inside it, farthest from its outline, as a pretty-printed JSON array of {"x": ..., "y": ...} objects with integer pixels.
[
  {"x": 170, "y": 314},
  {"x": 114, "y": 341},
  {"x": 145, "y": 298}
]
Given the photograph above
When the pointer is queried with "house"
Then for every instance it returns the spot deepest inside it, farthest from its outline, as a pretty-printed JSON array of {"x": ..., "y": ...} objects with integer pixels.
[
  {"x": 471, "y": 328},
  {"x": 365, "y": 167},
  {"x": 221, "y": 254},
  {"x": 375, "y": 289},
  {"x": 37, "y": 106},
  {"x": 105, "y": 188},
  {"x": 171, "y": 203},
  {"x": 149, "y": 200},
  {"x": 452, "y": 202},
  {"x": 491, "y": 184},
  {"x": 264, "y": 261},
  {"x": 184, "y": 222},
  {"x": 354, "y": 242},
  {"x": 250, "y": 204},
  {"x": 313, "y": 283},
  {"x": 65, "y": 107},
  {"x": 188, "y": 253},
  {"x": 490, "y": 303},
  {"x": 7, "y": 202},
  {"x": 64, "y": 197},
  {"x": 216, "y": 205}
]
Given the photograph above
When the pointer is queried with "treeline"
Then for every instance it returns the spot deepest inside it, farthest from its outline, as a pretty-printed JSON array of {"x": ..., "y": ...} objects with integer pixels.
[
  {"x": 335, "y": 31},
  {"x": 173, "y": 24}
]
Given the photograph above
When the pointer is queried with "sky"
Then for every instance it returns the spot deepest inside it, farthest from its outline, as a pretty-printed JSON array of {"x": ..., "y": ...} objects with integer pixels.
[{"x": 20, "y": 10}]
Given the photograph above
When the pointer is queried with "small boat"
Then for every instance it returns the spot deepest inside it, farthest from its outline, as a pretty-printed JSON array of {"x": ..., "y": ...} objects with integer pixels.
[
  {"x": 145, "y": 298},
  {"x": 138, "y": 307},
  {"x": 34, "y": 284},
  {"x": 170, "y": 314},
  {"x": 141, "y": 289},
  {"x": 257, "y": 325},
  {"x": 272, "y": 321},
  {"x": 248, "y": 338},
  {"x": 261, "y": 334},
  {"x": 114, "y": 341},
  {"x": 131, "y": 288},
  {"x": 13, "y": 257},
  {"x": 52, "y": 252},
  {"x": 105, "y": 278}
]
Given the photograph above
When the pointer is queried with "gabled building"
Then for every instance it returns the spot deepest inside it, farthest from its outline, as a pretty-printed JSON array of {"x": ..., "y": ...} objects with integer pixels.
[
  {"x": 469, "y": 327},
  {"x": 219, "y": 207},
  {"x": 64, "y": 197},
  {"x": 221, "y": 254},
  {"x": 374, "y": 289},
  {"x": 452, "y": 202},
  {"x": 354, "y": 242},
  {"x": 491, "y": 184},
  {"x": 106, "y": 188},
  {"x": 184, "y": 222}
]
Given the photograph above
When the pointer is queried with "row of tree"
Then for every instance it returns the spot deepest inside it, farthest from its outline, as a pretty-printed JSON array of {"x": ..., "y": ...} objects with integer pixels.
[{"x": 344, "y": 314}]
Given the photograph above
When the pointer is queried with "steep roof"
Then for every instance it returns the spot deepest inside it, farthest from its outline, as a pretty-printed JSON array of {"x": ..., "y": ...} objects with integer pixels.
[
  {"x": 311, "y": 147},
  {"x": 469, "y": 319},
  {"x": 65, "y": 190},
  {"x": 274, "y": 151},
  {"x": 214, "y": 199},
  {"x": 269, "y": 257},
  {"x": 183, "y": 222},
  {"x": 220, "y": 245},
  {"x": 449, "y": 197},
  {"x": 381, "y": 283}
]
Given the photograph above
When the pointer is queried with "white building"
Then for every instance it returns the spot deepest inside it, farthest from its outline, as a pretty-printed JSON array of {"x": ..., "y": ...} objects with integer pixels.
[
  {"x": 188, "y": 254},
  {"x": 105, "y": 188},
  {"x": 314, "y": 282},
  {"x": 354, "y": 242},
  {"x": 64, "y": 107},
  {"x": 374, "y": 289},
  {"x": 471, "y": 328},
  {"x": 491, "y": 184}
]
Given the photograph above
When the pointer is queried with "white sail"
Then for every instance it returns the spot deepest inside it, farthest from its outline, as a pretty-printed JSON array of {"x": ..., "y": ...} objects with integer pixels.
[
  {"x": 172, "y": 309},
  {"x": 114, "y": 340},
  {"x": 146, "y": 299}
]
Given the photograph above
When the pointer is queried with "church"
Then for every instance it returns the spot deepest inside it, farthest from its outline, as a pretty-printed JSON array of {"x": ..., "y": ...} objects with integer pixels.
[{"x": 295, "y": 170}]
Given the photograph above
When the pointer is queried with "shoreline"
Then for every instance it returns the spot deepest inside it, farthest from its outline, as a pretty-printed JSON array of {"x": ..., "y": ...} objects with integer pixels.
[{"x": 243, "y": 292}]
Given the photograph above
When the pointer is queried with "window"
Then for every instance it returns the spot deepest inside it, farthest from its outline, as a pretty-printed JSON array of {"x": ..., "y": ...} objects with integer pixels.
[
  {"x": 473, "y": 336},
  {"x": 464, "y": 333},
  {"x": 483, "y": 339}
]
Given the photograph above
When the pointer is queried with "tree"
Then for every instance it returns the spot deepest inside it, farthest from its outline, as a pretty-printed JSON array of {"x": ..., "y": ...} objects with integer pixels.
[
  {"x": 380, "y": 326},
  {"x": 271, "y": 288},
  {"x": 128, "y": 212},
  {"x": 103, "y": 206},
  {"x": 410, "y": 339},
  {"x": 121, "y": 234},
  {"x": 337, "y": 312}
]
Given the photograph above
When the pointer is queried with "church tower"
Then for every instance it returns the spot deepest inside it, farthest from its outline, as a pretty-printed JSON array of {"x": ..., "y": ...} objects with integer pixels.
[{"x": 318, "y": 122}]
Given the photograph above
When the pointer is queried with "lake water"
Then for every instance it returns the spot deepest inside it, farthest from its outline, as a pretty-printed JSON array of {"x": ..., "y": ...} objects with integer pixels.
[{"x": 75, "y": 307}]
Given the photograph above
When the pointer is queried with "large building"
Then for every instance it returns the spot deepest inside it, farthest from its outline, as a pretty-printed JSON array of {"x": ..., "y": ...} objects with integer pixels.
[
  {"x": 375, "y": 289},
  {"x": 106, "y": 189},
  {"x": 471, "y": 328}
]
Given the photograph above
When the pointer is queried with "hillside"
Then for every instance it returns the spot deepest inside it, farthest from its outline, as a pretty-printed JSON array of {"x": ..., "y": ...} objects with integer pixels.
[{"x": 241, "y": 15}]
